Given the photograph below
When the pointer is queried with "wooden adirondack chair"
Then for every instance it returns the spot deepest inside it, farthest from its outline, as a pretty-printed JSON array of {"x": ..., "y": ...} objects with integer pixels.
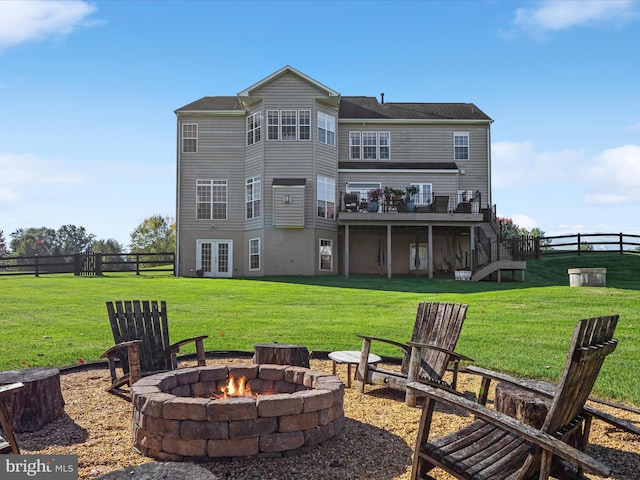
[
  {"x": 499, "y": 447},
  {"x": 141, "y": 333},
  {"x": 8, "y": 444},
  {"x": 426, "y": 357}
]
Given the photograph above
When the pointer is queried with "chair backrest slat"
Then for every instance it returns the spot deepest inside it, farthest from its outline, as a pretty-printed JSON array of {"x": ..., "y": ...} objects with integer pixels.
[
  {"x": 439, "y": 325},
  {"x": 146, "y": 321},
  {"x": 592, "y": 341}
]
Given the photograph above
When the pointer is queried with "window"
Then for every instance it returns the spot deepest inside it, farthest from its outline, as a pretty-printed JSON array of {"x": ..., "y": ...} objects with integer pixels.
[
  {"x": 461, "y": 146},
  {"x": 211, "y": 199},
  {"x": 369, "y": 145},
  {"x": 326, "y": 197},
  {"x": 190, "y": 138},
  {"x": 326, "y": 129},
  {"x": 418, "y": 262},
  {"x": 254, "y": 127},
  {"x": 424, "y": 196},
  {"x": 304, "y": 121},
  {"x": 253, "y": 197},
  {"x": 254, "y": 254},
  {"x": 384, "y": 140},
  {"x": 273, "y": 125},
  {"x": 326, "y": 255},
  {"x": 355, "y": 142},
  {"x": 288, "y": 119}
]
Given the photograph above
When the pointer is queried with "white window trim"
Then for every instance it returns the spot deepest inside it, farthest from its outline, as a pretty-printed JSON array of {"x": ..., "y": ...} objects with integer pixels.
[
  {"x": 256, "y": 123},
  {"x": 307, "y": 125},
  {"x": 210, "y": 183},
  {"x": 255, "y": 197},
  {"x": 329, "y": 182},
  {"x": 462, "y": 135},
  {"x": 328, "y": 123},
  {"x": 275, "y": 125},
  {"x": 378, "y": 144},
  {"x": 422, "y": 195},
  {"x": 320, "y": 249},
  {"x": 185, "y": 137},
  {"x": 258, "y": 254},
  {"x": 422, "y": 256}
]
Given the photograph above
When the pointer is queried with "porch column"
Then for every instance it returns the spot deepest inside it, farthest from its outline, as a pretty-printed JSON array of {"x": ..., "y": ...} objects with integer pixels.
[
  {"x": 346, "y": 252},
  {"x": 389, "y": 252},
  {"x": 430, "y": 250}
]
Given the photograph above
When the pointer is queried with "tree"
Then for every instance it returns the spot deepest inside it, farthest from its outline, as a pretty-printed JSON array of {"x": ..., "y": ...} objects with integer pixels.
[
  {"x": 34, "y": 241},
  {"x": 71, "y": 239},
  {"x": 109, "y": 246},
  {"x": 154, "y": 235},
  {"x": 4, "y": 250}
]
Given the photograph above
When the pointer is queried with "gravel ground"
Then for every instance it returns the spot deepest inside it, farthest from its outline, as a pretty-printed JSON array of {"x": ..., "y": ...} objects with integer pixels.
[{"x": 376, "y": 443}]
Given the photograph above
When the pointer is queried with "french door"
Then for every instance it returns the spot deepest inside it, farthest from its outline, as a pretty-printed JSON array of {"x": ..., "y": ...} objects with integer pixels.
[{"x": 215, "y": 257}]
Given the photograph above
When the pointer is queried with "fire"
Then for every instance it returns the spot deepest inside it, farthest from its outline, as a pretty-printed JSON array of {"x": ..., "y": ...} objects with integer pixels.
[{"x": 233, "y": 388}]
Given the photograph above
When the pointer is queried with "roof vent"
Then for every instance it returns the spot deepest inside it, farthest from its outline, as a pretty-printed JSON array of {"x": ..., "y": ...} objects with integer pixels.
[{"x": 382, "y": 98}]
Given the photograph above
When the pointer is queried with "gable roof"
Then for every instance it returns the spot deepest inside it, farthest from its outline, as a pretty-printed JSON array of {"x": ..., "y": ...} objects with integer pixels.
[
  {"x": 369, "y": 108},
  {"x": 287, "y": 69}
]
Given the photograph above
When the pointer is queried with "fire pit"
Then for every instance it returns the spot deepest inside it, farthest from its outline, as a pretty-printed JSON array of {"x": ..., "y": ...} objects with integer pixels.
[{"x": 178, "y": 415}]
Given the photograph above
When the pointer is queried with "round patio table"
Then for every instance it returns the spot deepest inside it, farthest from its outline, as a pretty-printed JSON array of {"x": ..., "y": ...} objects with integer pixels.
[{"x": 350, "y": 357}]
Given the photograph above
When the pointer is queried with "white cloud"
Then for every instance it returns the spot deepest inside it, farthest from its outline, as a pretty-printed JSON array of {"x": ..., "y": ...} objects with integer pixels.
[
  {"x": 518, "y": 162},
  {"x": 524, "y": 221},
  {"x": 553, "y": 15},
  {"x": 616, "y": 176},
  {"x": 26, "y": 169},
  {"x": 25, "y": 21},
  {"x": 634, "y": 128}
]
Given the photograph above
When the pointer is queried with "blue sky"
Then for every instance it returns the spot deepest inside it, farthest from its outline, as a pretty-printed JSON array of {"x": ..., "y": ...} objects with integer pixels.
[{"x": 88, "y": 90}]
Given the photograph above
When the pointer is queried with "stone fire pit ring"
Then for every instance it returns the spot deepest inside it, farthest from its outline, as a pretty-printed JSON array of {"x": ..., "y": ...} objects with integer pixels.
[{"x": 174, "y": 418}]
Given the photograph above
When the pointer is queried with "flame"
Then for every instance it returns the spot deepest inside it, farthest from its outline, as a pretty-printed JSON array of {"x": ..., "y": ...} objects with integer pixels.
[{"x": 233, "y": 388}]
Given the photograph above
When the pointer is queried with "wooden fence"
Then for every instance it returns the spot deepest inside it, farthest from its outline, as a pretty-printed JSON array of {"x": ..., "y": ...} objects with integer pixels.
[
  {"x": 583, "y": 243},
  {"x": 88, "y": 264}
]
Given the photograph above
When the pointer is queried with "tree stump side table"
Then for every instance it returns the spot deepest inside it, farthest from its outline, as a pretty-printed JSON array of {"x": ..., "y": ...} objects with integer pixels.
[
  {"x": 528, "y": 407},
  {"x": 281, "y": 354},
  {"x": 38, "y": 403}
]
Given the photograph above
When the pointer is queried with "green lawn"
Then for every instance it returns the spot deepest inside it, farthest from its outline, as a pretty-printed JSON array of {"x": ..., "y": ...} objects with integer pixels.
[{"x": 523, "y": 329}]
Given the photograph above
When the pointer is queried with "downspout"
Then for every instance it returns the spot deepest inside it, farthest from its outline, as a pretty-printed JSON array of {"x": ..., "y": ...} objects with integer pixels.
[
  {"x": 489, "y": 195},
  {"x": 177, "y": 255}
]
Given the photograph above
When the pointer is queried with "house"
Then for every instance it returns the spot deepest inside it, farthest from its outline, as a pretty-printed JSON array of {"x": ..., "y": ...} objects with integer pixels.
[{"x": 275, "y": 181}]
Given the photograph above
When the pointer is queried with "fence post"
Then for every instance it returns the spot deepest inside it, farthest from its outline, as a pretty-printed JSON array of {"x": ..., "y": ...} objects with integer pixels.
[
  {"x": 578, "y": 244},
  {"x": 137, "y": 264},
  {"x": 98, "y": 257},
  {"x": 621, "y": 245},
  {"x": 37, "y": 266},
  {"x": 77, "y": 264}
]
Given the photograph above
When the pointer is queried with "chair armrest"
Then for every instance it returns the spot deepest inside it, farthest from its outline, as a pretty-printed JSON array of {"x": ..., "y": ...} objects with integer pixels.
[
  {"x": 458, "y": 356},
  {"x": 10, "y": 388},
  {"x": 200, "y": 355},
  {"x": 176, "y": 346},
  {"x": 531, "y": 434},
  {"x": 403, "y": 346},
  {"x": 115, "y": 350}
]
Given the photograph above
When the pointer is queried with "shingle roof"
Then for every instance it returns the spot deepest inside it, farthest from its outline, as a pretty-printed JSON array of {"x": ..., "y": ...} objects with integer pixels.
[
  {"x": 363, "y": 108},
  {"x": 213, "y": 104},
  {"x": 370, "y": 108}
]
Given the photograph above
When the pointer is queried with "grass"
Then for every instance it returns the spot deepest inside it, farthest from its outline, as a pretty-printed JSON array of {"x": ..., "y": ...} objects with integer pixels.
[{"x": 523, "y": 329}]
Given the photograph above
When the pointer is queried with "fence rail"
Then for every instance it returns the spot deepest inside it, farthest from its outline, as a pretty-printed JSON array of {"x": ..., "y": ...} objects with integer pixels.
[
  {"x": 87, "y": 264},
  {"x": 589, "y": 242}
]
